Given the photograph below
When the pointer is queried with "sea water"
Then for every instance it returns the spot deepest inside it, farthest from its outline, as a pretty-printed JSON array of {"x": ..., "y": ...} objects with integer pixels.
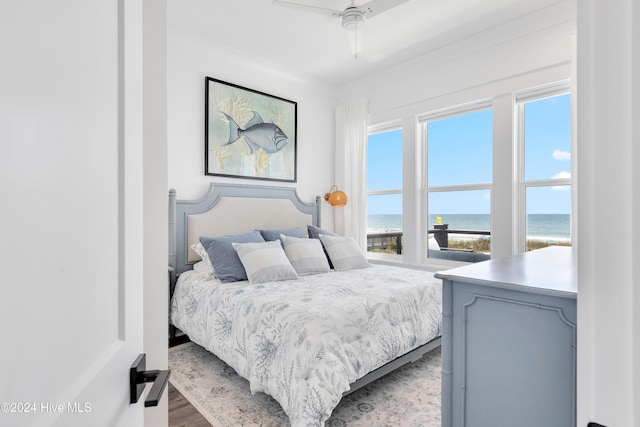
[{"x": 539, "y": 226}]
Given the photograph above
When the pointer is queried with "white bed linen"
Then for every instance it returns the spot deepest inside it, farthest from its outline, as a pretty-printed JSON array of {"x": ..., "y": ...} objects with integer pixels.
[{"x": 304, "y": 341}]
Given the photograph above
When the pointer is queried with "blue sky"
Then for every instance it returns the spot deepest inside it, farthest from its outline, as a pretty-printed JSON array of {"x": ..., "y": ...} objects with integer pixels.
[{"x": 460, "y": 153}]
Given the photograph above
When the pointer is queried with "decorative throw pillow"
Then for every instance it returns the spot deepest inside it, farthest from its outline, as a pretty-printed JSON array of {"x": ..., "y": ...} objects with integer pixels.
[
  {"x": 314, "y": 233},
  {"x": 269, "y": 235},
  {"x": 224, "y": 258},
  {"x": 265, "y": 262},
  {"x": 202, "y": 267},
  {"x": 205, "y": 268},
  {"x": 344, "y": 252},
  {"x": 306, "y": 255}
]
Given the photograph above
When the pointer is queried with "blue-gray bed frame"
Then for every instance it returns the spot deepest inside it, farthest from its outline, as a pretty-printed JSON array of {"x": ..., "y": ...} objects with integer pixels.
[{"x": 179, "y": 211}]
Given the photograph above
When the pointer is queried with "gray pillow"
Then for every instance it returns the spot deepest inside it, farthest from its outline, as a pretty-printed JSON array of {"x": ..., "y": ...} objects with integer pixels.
[
  {"x": 306, "y": 255},
  {"x": 224, "y": 259},
  {"x": 265, "y": 262},
  {"x": 344, "y": 252},
  {"x": 269, "y": 235},
  {"x": 314, "y": 232}
]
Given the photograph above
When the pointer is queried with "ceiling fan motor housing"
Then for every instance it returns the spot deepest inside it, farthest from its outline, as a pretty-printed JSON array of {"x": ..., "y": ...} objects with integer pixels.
[{"x": 352, "y": 19}]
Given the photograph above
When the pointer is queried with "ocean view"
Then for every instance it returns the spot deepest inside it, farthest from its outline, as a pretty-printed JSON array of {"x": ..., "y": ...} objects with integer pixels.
[{"x": 539, "y": 226}]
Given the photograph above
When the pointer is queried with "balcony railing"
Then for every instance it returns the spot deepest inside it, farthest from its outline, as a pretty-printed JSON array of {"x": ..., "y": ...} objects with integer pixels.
[
  {"x": 391, "y": 241},
  {"x": 385, "y": 241},
  {"x": 441, "y": 234}
]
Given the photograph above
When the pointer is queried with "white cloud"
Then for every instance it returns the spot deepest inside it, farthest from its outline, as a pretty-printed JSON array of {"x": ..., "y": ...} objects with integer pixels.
[
  {"x": 561, "y": 155},
  {"x": 561, "y": 175}
]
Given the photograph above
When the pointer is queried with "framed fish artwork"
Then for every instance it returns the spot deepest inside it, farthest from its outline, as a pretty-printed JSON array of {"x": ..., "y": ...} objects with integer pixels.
[{"x": 249, "y": 134}]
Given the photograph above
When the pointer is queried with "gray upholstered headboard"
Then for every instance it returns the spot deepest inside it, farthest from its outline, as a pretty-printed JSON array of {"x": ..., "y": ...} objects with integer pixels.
[{"x": 233, "y": 209}]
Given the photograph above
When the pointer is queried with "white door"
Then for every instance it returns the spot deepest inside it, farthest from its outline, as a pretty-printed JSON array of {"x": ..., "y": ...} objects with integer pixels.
[{"x": 71, "y": 211}]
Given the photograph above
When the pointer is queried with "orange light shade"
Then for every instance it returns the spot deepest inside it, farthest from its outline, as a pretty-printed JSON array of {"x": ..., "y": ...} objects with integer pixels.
[{"x": 336, "y": 198}]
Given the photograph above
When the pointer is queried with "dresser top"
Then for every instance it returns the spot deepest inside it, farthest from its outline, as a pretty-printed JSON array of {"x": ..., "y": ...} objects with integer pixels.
[{"x": 549, "y": 271}]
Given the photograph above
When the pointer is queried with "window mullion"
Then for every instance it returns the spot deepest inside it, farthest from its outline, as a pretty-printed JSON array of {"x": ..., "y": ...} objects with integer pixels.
[
  {"x": 547, "y": 182},
  {"x": 459, "y": 187},
  {"x": 383, "y": 192}
]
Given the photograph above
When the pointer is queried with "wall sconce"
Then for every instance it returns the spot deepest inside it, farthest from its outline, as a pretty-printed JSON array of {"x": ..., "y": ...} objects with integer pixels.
[{"x": 336, "y": 198}]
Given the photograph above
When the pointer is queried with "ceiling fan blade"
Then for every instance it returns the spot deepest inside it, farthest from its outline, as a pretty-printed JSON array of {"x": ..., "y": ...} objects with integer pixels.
[
  {"x": 308, "y": 8},
  {"x": 376, "y": 7}
]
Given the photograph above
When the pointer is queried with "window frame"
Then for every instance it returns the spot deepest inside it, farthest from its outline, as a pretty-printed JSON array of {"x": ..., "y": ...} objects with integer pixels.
[
  {"x": 388, "y": 127},
  {"x": 373, "y": 130},
  {"x": 520, "y": 98},
  {"x": 426, "y": 189}
]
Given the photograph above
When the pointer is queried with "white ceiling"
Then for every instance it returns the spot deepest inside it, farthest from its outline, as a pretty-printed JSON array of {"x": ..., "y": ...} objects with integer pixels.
[{"x": 315, "y": 45}]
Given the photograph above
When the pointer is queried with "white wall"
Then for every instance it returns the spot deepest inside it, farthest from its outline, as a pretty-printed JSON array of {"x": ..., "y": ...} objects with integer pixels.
[
  {"x": 189, "y": 62},
  {"x": 156, "y": 240},
  {"x": 608, "y": 180},
  {"x": 530, "y": 52},
  {"x": 517, "y": 54}
]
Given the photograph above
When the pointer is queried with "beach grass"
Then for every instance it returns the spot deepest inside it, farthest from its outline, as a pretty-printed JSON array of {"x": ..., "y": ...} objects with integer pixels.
[
  {"x": 476, "y": 245},
  {"x": 484, "y": 244},
  {"x": 533, "y": 244},
  {"x": 392, "y": 248}
]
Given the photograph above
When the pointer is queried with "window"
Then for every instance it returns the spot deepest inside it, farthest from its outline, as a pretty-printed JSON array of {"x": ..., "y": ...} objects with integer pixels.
[
  {"x": 458, "y": 147},
  {"x": 544, "y": 146},
  {"x": 456, "y": 210},
  {"x": 384, "y": 191}
]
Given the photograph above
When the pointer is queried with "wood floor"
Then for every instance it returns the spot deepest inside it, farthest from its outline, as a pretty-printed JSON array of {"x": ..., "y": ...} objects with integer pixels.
[{"x": 182, "y": 413}]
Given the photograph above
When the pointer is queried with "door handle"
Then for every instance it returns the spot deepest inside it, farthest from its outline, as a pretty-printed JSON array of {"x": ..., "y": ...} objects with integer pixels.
[{"x": 138, "y": 376}]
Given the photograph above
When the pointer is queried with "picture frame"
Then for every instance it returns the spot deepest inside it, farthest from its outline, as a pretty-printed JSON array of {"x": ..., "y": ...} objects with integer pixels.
[{"x": 248, "y": 133}]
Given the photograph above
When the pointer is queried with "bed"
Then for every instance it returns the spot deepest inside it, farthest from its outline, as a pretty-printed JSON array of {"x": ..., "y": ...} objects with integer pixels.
[{"x": 306, "y": 339}]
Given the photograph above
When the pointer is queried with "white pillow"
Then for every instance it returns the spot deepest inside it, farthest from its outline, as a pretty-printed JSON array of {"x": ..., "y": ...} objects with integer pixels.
[
  {"x": 202, "y": 267},
  {"x": 344, "y": 252},
  {"x": 207, "y": 268},
  {"x": 306, "y": 255},
  {"x": 265, "y": 261}
]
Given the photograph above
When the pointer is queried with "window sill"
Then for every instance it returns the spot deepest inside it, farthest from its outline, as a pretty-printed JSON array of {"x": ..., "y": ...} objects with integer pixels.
[{"x": 397, "y": 260}]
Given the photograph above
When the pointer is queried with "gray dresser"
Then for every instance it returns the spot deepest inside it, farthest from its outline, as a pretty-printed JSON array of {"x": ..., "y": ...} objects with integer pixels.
[{"x": 509, "y": 341}]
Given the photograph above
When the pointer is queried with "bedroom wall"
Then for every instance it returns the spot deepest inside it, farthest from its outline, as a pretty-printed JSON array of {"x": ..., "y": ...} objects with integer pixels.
[
  {"x": 492, "y": 64},
  {"x": 608, "y": 132},
  {"x": 189, "y": 61}
]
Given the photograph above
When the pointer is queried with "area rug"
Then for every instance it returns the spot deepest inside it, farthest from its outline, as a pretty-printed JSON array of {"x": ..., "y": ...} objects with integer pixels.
[{"x": 408, "y": 397}]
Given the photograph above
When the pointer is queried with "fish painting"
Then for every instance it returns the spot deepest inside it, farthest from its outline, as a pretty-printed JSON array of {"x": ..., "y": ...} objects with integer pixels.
[{"x": 257, "y": 134}]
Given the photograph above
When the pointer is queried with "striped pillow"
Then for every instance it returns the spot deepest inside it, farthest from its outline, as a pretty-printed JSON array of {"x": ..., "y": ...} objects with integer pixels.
[
  {"x": 344, "y": 252},
  {"x": 265, "y": 262},
  {"x": 224, "y": 258},
  {"x": 306, "y": 255}
]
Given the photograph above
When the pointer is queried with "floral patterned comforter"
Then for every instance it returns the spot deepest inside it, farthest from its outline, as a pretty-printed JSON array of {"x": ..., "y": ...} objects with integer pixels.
[{"x": 304, "y": 341}]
